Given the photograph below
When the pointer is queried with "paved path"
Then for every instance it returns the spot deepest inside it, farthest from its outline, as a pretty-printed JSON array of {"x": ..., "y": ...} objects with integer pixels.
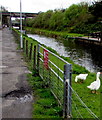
[
  {"x": 91, "y": 39},
  {"x": 16, "y": 93}
]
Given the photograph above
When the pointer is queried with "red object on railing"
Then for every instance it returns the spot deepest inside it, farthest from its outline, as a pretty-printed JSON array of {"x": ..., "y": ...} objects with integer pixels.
[{"x": 46, "y": 58}]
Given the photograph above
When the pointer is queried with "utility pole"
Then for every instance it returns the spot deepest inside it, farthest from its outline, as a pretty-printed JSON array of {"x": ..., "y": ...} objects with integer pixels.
[{"x": 21, "y": 38}]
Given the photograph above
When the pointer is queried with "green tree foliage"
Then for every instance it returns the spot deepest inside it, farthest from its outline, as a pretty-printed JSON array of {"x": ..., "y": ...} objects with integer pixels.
[
  {"x": 30, "y": 22},
  {"x": 38, "y": 21},
  {"x": 96, "y": 9},
  {"x": 56, "y": 21},
  {"x": 46, "y": 19},
  {"x": 77, "y": 18}
]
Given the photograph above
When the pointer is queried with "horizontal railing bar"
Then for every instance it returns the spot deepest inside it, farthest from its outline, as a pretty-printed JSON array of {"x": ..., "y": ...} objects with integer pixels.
[
  {"x": 56, "y": 74},
  {"x": 54, "y": 55},
  {"x": 56, "y": 66},
  {"x": 40, "y": 53},
  {"x": 41, "y": 76},
  {"x": 41, "y": 59}
]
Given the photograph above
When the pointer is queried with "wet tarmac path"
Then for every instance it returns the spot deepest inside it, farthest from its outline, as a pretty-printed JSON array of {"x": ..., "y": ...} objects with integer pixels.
[{"x": 16, "y": 94}]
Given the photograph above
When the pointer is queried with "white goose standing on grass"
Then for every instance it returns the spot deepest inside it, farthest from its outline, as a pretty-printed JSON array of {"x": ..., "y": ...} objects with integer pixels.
[
  {"x": 96, "y": 84},
  {"x": 81, "y": 77}
]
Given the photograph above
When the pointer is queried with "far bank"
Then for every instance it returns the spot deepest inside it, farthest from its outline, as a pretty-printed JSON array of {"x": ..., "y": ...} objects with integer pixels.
[{"x": 80, "y": 38}]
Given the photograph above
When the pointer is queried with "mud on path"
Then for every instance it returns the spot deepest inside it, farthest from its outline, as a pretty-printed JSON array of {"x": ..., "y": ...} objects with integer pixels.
[{"x": 16, "y": 94}]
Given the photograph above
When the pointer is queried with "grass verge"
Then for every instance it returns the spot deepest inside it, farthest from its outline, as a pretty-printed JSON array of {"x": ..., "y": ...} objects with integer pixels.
[
  {"x": 45, "y": 105},
  {"x": 54, "y": 34}
]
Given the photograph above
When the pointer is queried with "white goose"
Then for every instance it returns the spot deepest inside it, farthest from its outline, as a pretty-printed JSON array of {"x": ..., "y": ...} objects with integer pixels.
[
  {"x": 96, "y": 84},
  {"x": 81, "y": 77}
]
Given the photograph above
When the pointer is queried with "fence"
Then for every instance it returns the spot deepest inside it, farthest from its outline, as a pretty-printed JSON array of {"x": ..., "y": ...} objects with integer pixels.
[
  {"x": 57, "y": 75},
  {"x": 50, "y": 68},
  {"x": 51, "y": 73}
]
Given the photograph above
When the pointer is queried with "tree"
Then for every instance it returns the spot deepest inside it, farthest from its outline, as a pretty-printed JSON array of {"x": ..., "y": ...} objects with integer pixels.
[
  {"x": 46, "y": 18},
  {"x": 38, "y": 21},
  {"x": 4, "y": 18},
  {"x": 56, "y": 20},
  {"x": 96, "y": 9}
]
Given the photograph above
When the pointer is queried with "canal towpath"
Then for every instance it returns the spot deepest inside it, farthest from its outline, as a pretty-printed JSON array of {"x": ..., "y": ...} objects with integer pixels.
[{"x": 15, "y": 93}]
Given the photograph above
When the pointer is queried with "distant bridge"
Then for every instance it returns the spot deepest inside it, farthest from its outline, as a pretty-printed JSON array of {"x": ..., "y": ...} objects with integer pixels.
[
  {"x": 6, "y": 17},
  {"x": 17, "y": 14}
]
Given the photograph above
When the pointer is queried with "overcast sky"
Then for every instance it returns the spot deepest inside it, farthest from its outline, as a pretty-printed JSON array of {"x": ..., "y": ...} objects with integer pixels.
[{"x": 35, "y": 6}]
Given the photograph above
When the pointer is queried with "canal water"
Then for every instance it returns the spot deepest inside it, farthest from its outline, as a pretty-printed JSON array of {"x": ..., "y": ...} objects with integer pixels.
[{"x": 89, "y": 56}]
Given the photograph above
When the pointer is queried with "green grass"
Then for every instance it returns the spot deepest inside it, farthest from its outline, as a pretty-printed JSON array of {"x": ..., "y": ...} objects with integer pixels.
[
  {"x": 54, "y": 34},
  {"x": 91, "y": 100},
  {"x": 45, "y": 105},
  {"x": 45, "y": 100}
]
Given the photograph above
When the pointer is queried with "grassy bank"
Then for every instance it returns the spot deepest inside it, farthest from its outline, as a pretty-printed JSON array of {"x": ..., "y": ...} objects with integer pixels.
[
  {"x": 54, "y": 34},
  {"x": 46, "y": 106}
]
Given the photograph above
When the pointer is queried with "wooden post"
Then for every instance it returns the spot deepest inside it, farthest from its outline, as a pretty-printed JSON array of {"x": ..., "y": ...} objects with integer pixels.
[
  {"x": 27, "y": 48},
  {"x": 30, "y": 54},
  {"x": 34, "y": 64},
  {"x": 67, "y": 91},
  {"x": 24, "y": 44}
]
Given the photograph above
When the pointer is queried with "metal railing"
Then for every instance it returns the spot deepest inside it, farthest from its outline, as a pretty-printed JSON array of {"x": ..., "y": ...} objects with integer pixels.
[
  {"x": 57, "y": 74},
  {"x": 57, "y": 77}
]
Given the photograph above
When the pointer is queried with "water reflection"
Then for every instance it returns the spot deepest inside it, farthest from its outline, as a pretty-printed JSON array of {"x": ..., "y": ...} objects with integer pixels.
[{"x": 89, "y": 56}]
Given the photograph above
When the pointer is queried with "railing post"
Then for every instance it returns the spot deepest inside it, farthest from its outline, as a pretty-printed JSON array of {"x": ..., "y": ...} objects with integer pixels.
[
  {"x": 24, "y": 44},
  {"x": 38, "y": 57},
  {"x": 67, "y": 91},
  {"x": 34, "y": 64},
  {"x": 30, "y": 54},
  {"x": 27, "y": 48}
]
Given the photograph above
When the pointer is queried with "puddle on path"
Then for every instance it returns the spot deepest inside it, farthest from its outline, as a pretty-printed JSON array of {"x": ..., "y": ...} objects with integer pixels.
[{"x": 20, "y": 95}]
